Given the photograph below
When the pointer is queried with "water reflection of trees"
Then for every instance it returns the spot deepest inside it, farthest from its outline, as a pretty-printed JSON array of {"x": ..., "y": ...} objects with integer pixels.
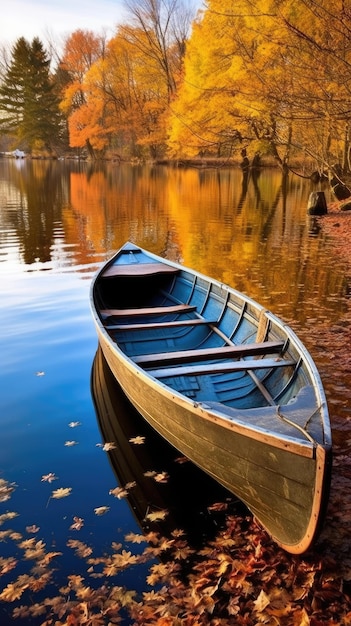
[{"x": 249, "y": 232}]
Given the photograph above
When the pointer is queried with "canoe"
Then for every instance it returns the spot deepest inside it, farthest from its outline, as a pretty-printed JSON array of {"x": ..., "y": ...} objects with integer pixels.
[
  {"x": 225, "y": 382},
  {"x": 185, "y": 495}
]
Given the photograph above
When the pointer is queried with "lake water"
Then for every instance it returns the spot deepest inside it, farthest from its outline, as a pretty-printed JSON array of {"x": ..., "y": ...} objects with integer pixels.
[{"x": 58, "y": 222}]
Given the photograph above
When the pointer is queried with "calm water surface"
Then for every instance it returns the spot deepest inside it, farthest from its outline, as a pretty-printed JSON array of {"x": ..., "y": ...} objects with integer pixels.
[{"x": 58, "y": 222}]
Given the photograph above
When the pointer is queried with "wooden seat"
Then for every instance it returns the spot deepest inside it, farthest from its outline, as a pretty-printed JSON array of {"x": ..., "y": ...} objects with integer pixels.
[
  {"x": 196, "y": 321},
  {"x": 218, "y": 368},
  {"x": 204, "y": 354},
  {"x": 156, "y": 310},
  {"x": 138, "y": 269}
]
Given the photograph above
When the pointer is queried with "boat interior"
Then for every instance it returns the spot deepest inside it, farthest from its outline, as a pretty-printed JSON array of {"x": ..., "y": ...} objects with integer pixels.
[{"x": 197, "y": 336}]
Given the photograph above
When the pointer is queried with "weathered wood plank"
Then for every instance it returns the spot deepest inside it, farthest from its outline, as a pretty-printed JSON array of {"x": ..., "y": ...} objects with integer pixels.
[
  {"x": 156, "y": 310},
  {"x": 217, "y": 368},
  {"x": 203, "y": 354},
  {"x": 196, "y": 321},
  {"x": 138, "y": 269}
]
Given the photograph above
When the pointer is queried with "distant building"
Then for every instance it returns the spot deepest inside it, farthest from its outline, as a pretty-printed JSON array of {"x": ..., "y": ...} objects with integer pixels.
[{"x": 19, "y": 154}]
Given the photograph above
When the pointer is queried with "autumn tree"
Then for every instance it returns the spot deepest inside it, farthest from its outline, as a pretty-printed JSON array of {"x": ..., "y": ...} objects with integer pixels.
[
  {"x": 82, "y": 49},
  {"x": 28, "y": 102},
  {"x": 268, "y": 74}
]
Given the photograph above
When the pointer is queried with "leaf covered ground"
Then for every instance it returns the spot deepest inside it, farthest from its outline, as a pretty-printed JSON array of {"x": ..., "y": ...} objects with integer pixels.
[{"x": 240, "y": 577}]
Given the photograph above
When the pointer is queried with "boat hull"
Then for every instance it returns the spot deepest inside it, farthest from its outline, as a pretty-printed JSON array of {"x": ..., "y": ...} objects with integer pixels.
[{"x": 283, "y": 478}]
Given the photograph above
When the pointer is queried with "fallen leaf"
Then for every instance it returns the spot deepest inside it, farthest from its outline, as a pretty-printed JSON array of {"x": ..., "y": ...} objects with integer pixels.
[
  {"x": 78, "y": 523},
  {"x": 74, "y": 424},
  {"x": 261, "y": 602},
  {"x": 139, "y": 440},
  {"x": 109, "y": 446},
  {"x": 71, "y": 443},
  {"x": 156, "y": 516},
  {"x": 101, "y": 510},
  {"x": 32, "y": 529},
  {"x": 62, "y": 492},
  {"x": 49, "y": 477}
]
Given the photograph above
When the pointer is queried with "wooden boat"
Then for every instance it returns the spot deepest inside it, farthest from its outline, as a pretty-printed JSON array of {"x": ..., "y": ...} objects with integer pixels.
[{"x": 225, "y": 382}]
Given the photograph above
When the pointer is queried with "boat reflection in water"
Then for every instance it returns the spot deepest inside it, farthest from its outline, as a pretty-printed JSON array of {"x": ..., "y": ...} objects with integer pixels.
[{"x": 187, "y": 493}]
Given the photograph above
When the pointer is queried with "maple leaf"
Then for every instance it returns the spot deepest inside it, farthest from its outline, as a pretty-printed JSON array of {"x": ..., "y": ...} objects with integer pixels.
[
  {"x": 6, "y": 565},
  {"x": 135, "y": 538},
  {"x": 78, "y": 523},
  {"x": 49, "y": 477},
  {"x": 12, "y": 592},
  {"x": 6, "y": 516},
  {"x": 156, "y": 516},
  {"x": 4, "y": 534},
  {"x": 130, "y": 485},
  {"x": 161, "y": 477},
  {"x": 101, "y": 510},
  {"x": 261, "y": 602},
  {"x": 69, "y": 444},
  {"x": 150, "y": 474},
  {"x": 119, "y": 492},
  {"x": 15, "y": 536},
  {"x": 82, "y": 550},
  {"x": 6, "y": 489},
  {"x": 75, "y": 580},
  {"x": 178, "y": 532},
  {"x": 62, "y": 492},
  {"x": 74, "y": 424},
  {"x": 32, "y": 530},
  {"x": 109, "y": 446},
  {"x": 139, "y": 440}
]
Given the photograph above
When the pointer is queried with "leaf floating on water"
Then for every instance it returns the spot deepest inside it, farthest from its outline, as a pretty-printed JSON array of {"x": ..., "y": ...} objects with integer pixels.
[
  {"x": 109, "y": 446},
  {"x": 6, "y": 565},
  {"x": 135, "y": 538},
  {"x": 40, "y": 374},
  {"x": 181, "y": 459},
  {"x": 218, "y": 506},
  {"x": 150, "y": 474},
  {"x": 78, "y": 523},
  {"x": 119, "y": 492},
  {"x": 156, "y": 516},
  {"x": 32, "y": 530},
  {"x": 83, "y": 551},
  {"x": 49, "y": 477},
  {"x": 12, "y": 592},
  {"x": 62, "y": 492},
  {"x": 161, "y": 477},
  {"x": 101, "y": 510},
  {"x": 139, "y": 440},
  {"x": 74, "y": 424},
  {"x": 71, "y": 443},
  {"x": 6, "y": 489},
  {"x": 6, "y": 516}
]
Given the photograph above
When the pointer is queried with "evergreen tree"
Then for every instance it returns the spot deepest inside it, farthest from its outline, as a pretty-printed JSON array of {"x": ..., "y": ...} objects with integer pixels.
[{"x": 29, "y": 107}]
